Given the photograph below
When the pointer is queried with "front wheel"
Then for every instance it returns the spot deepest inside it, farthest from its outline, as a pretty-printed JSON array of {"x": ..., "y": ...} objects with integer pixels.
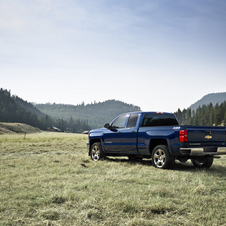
[
  {"x": 161, "y": 158},
  {"x": 204, "y": 162},
  {"x": 96, "y": 152}
]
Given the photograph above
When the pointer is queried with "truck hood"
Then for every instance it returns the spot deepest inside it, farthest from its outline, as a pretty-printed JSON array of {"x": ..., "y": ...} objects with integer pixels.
[{"x": 101, "y": 130}]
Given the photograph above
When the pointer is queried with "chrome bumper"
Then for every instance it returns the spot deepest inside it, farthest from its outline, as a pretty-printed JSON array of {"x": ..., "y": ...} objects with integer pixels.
[{"x": 203, "y": 151}]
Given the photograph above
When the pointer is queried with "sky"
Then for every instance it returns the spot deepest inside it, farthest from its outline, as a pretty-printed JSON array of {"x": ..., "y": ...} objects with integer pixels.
[{"x": 160, "y": 55}]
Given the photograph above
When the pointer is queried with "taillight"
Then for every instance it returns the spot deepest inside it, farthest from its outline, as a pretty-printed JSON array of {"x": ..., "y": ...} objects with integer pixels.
[{"x": 183, "y": 136}]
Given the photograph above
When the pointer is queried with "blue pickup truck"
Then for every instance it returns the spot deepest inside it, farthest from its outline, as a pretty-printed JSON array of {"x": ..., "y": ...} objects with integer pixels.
[{"x": 157, "y": 135}]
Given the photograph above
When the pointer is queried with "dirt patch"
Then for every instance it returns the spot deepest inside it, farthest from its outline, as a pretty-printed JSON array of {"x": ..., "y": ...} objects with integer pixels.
[{"x": 12, "y": 128}]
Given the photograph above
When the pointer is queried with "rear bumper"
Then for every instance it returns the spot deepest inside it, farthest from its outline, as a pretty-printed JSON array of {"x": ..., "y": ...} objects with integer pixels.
[{"x": 203, "y": 151}]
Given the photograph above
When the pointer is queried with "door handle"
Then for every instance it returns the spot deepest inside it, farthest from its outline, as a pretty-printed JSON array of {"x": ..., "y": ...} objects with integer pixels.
[
  {"x": 133, "y": 132},
  {"x": 119, "y": 132}
]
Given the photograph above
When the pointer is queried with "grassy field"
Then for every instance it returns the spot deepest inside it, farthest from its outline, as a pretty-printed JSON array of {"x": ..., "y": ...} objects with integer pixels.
[{"x": 48, "y": 179}]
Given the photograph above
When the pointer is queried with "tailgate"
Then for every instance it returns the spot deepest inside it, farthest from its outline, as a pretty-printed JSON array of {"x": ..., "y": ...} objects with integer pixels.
[{"x": 206, "y": 135}]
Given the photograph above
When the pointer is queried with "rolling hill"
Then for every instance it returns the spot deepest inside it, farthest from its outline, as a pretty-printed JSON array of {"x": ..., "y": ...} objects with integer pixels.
[
  {"x": 15, "y": 128},
  {"x": 75, "y": 118},
  {"x": 97, "y": 114}
]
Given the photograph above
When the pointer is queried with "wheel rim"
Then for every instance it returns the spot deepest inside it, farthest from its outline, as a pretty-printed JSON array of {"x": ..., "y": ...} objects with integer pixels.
[
  {"x": 95, "y": 153},
  {"x": 159, "y": 158}
]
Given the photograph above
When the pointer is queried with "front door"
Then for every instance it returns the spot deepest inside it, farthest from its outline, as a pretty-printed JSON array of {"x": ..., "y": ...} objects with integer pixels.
[{"x": 122, "y": 137}]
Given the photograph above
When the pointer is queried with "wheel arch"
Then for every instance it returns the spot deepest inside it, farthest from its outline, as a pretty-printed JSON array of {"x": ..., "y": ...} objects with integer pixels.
[
  {"x": 95, "y": 140},
  {"x": 157, "y": 141}
]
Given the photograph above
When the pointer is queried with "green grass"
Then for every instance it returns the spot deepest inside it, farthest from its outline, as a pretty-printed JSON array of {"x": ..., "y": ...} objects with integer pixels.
[{"x": 48, "y": 179}]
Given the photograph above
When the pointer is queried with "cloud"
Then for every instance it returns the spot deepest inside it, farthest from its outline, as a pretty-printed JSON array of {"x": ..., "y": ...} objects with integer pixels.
[{"x": 116, "y": 44}]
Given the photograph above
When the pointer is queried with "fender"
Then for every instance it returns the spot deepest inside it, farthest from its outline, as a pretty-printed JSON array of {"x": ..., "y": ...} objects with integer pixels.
[
  {"x": 96, "y": 136},
  {"x": 153, "y": 136}
]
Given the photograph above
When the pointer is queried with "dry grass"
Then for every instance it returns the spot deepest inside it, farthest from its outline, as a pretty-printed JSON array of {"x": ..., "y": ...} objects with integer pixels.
[{"x": 48, "y": 179}]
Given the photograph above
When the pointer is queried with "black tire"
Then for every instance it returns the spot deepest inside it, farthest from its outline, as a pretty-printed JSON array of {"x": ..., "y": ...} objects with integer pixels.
[
  {"x": 96, "y": 152},
  {"x": 161, "y": 158},
  {"x": 204, "y": 162}
]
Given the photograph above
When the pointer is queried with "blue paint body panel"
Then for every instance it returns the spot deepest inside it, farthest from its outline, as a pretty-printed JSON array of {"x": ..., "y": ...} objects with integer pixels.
[{"x": 137, "y": 133}]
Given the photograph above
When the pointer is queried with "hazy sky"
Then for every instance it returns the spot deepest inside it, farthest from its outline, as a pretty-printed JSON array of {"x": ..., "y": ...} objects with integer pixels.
[{"x": 158, "y": 54}]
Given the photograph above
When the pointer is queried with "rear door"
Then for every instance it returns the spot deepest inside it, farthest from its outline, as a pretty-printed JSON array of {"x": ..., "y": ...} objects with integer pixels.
[{"x": 122, "y": 138}]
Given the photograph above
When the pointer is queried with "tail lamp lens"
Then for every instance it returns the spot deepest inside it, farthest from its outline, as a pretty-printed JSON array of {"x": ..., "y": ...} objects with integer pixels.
[{"x": 183, "y": 136}]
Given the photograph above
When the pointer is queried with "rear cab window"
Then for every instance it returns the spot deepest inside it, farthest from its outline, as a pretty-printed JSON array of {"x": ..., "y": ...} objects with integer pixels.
[
  {"x": 132, "y": 122},
  {"x": 152, "y": 119}
]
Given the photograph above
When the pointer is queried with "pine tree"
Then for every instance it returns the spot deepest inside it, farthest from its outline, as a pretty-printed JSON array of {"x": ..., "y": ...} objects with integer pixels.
[
  {"x": 217, "y": 115},
  {"x": 225, "y": 119}
]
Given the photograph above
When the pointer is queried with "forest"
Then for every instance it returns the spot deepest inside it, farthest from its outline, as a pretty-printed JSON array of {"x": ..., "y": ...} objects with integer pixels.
[
  {"x": 14, "y": 109},
  {"x": 83, "y": 117},
  {"x": 205, "y": 115}
]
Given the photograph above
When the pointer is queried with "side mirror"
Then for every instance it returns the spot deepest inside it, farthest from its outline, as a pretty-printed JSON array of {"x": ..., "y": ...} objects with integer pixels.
[{"x": 107, "y": 126}]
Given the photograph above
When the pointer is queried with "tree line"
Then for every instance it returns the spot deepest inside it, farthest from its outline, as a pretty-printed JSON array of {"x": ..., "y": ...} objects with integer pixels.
[
  {"x": 74, "y": 118},
  {"x": 11, "y": 112},
  {"x": 205, "y": 115}
]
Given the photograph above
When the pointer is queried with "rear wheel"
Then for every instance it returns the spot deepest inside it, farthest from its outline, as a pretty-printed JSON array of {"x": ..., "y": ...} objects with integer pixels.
[
  {"x": 161, "y": 158},
  {"x": 204, "y": 162},
  {"x": 96, "y": 152}
]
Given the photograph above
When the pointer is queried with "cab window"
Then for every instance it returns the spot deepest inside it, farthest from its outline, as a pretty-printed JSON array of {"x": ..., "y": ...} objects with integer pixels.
[
  {"x": 159, "y": 120},
  {"x": 119, "y": 122},
  {"x": 132, "y": 121}
]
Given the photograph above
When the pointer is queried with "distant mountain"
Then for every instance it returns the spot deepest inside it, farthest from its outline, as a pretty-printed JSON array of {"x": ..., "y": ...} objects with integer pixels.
[
  {"x": 97, "y": 114},
  {"x": 77, "y": 118},
  {"x": 213, "y": 98}
]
